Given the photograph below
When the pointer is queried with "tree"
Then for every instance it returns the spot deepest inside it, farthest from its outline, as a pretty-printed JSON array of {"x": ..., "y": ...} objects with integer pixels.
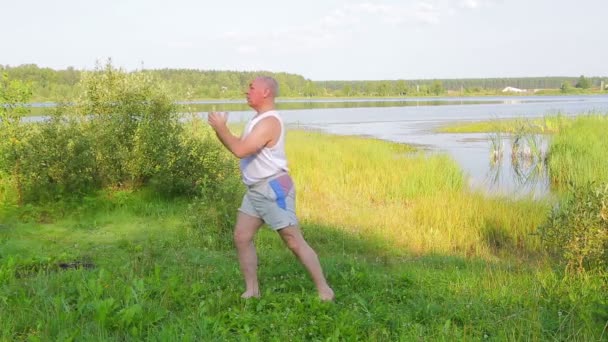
[
  {"x": 347, "y": 90},
  {"x": 401, "y": 88},
  {"x": 437, "y": 88},
  {"x": 383, "y": 88},
  {"x": 566, "y": 87},
  {"x": 583, "y": 83},
  {"x": 310, "y": 89}
]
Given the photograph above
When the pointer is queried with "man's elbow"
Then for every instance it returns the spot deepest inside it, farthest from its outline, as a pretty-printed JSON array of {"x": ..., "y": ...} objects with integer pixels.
[
  {"x": 245, "y": 151},
  {"x": 240, "y": 153}
]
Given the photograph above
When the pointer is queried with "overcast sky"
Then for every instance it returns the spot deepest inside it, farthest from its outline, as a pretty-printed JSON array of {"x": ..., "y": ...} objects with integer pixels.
[{"x": 318, "y": 39}]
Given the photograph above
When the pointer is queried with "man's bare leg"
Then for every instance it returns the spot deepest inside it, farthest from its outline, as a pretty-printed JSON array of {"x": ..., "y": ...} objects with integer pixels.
[
  {"x": 244, "y": 232},
  {"x": 307, "y": 256}
]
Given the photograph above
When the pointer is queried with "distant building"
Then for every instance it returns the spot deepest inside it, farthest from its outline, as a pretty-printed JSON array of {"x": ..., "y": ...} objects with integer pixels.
[{"x": 513, "y": 90}]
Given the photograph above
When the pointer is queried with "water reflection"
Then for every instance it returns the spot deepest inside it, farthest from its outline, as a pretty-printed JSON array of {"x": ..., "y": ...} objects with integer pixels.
[{"x": 525, "y": 169}]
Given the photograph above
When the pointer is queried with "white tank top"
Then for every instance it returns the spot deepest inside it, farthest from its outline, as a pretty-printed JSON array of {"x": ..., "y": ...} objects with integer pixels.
[{"x": 267, "y": 162}]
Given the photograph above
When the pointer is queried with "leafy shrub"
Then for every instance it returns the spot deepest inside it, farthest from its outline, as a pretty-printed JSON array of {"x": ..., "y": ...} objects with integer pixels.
[
  {"x": 577, "y": 229},
  {"x": 139, "y": 139},
  {"x": 57, "y": 161},
  {"x": 122, "y": 132},
  {"x": 213, "y": 213},
  {"x": 134, "y": 123},
  {"x": 53, "y": 159},
  {"x": 14, "y": 96}
]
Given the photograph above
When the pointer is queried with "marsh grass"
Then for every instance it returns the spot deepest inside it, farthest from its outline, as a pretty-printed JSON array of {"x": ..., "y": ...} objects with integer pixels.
[
  {"x": 410, "y": 252},
  {"x": 497, "y": 146},
  {"x": 580, "y": 154},
  {"x": 548, "y": 124}
]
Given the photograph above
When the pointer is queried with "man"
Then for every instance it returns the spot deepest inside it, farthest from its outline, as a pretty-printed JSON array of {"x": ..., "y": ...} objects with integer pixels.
[{"x": 270, "y": 196}]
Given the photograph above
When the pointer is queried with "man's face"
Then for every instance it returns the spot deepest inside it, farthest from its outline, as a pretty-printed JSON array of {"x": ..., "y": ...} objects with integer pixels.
[{"x": 256, "y": 93}]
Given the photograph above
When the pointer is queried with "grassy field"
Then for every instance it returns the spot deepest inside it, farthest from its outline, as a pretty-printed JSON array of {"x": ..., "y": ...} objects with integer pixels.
[{"x": 411, "y": 253}]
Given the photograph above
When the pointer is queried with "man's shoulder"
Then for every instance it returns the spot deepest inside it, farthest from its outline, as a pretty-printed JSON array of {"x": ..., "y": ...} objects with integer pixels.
[
  {"x": 270, "y": 117},
  {"x": 268, "y": 122},
  {"x": 272, "y": 112}
]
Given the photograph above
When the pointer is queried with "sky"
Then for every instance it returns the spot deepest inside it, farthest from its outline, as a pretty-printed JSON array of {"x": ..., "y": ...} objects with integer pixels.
[{"x": 318, "y": 39}]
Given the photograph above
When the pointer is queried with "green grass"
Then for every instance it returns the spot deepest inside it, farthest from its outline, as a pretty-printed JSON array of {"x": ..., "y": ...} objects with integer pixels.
[
  {"x": 409, "y": 251},
  {"x": 417, "y": 202},
  {"x": 546, "y": 125},
  {"x": 580, "y": 153}
]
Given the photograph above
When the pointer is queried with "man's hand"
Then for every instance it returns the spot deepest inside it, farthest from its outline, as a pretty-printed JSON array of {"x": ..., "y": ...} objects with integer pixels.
[
  {"x": 217, "y": 120},
  {"x": 264, "y": 132}
]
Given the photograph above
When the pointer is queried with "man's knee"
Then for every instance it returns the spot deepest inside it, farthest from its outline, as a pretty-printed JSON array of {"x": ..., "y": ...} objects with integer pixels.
[
  {"x": 293, "y": 240},
  {"x": 241, "y": 237},
  {"x": 292, "y": 244}
]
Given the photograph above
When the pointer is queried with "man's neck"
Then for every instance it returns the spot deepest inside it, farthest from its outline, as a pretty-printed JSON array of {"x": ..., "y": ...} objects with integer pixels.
[{"x": 265, "y": 108}]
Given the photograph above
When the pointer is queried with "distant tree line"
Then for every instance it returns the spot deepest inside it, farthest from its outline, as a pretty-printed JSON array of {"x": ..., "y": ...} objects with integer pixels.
[
  {"x": 196, "y": 84},
  {"x": 189, "y": 84},
  {"x": 464, "y": 86},
  {"x": 50, "y": 84}
]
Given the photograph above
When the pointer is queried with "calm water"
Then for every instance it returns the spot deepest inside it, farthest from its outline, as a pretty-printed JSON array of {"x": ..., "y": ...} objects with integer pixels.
[{"x": 414, "y": 121}]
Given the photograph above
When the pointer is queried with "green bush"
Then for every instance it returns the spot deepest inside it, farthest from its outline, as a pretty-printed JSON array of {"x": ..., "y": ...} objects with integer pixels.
[
  {"x": 213, "y": 213},
  {"x": 122, "y": 132},
  {"x": 58, "y": 160},
  {"x": 14, "y": 96},
  {"x": 134, "y": 123},
  {"x": 577, "y": 229},
  {"x": 220, "y": 191},
  {"x": 139, "y": 139}
]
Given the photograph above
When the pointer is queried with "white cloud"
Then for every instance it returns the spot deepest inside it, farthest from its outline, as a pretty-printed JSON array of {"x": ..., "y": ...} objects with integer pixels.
[
  {"x": 370, "y": 8},
  {"x": 476, "y": 4},
  {"x": 472, "y": 4},
  {"x": 338, "y": 25},
  {"x": 427, "y": 12},
  {"x": 412, "y": 13},
  {"x": 180, "y": 45},
  {"x": 339, "y": 18},
  {"x": 246, "y": 49}
]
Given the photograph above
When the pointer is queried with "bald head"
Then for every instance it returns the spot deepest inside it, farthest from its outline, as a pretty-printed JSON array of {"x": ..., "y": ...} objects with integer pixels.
[
  {"x": 269, "y": 83},
  {"x": 261, "y": 93}
]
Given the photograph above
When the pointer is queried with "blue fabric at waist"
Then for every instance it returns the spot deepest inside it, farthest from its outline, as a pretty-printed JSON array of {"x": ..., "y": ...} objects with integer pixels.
[{"x": 267, "y": 179}]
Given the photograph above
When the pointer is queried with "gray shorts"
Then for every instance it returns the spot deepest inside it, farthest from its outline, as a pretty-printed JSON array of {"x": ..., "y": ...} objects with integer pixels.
[{"x": 273, "y": 200}]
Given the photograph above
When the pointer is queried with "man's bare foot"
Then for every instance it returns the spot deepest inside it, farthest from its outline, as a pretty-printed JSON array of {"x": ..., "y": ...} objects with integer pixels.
[
  {"x": 250, "y": 294},
  {"x": 327, "y": 295}
]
